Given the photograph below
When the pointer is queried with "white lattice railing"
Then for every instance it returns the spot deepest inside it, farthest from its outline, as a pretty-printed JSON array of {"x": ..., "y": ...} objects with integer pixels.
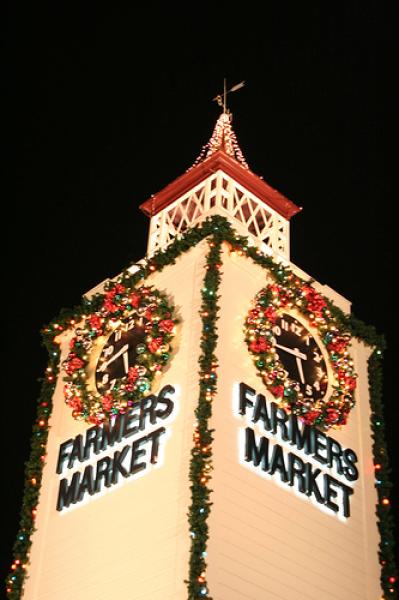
[{"x": 220, "y": 194}]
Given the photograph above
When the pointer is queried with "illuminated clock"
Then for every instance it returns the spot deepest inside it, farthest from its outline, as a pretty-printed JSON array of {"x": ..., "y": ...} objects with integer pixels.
[
  {"x": 117, "y": 351},
  {"x": 119, "y": 354},
  {"x": 301, "y": 356}
]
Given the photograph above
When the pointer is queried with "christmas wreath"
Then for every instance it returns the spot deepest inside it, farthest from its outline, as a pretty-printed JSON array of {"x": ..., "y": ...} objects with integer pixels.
[
  {"x": 145, "y": 308},
  {"x": 298, "y": 295}
]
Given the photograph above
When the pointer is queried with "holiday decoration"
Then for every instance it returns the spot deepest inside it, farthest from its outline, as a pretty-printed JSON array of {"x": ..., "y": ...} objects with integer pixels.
[
  {"x": 97, "y": 314},
  {"x": 223, "y": 137},
  {"x": 142, "y": 318},
  {"x": 307, "y": 398}
]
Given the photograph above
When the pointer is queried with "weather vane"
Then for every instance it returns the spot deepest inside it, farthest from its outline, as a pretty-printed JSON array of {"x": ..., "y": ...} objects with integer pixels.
[{"x": 221, "y": 99}]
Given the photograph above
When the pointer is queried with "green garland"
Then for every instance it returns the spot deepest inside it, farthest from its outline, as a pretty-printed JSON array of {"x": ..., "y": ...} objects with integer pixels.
[
  {"x": 201, "y": 454},
  {"x": 219, "y": 230}
]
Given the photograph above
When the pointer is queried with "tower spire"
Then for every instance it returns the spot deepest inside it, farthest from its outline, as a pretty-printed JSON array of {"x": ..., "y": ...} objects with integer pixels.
[{"x": 223, "y": 136}]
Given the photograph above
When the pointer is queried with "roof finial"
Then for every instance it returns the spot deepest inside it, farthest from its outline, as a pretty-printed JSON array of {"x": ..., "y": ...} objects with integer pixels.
[{"x": 222, "y": 101}]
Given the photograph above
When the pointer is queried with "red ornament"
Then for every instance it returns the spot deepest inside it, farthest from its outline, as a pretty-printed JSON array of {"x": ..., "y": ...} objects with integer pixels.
[
  {"x": 132, "y": 375},
  {"x": 315, "y": 302},
  {"x": 310, "y": 417},
  {"x": 155, "y": 344},
  {"x": 166, "y": 325},
  {"x": 119, "y": 289},
  {"x": 95, "y": 420},
  {"x": 74, "y": 364},
  {"x": 260, "y": 345},
  {"x": 75, "y": 403},
  {"x": 270, "y": 313},
  {"x": 351, "y": 383},
  {"x": 134, "y": 300},
  {"x": 332, "y": 415},
  {"x": 108, "y": 402},
  {"x": 95, "y": 322},
  {"x": 110, "y": 306},
  {"x": 339, "y": 346},
  {"x": 277, "y": 391},
  {"x": 281, "y": 294},
  {"x": 148, "y": 313}
]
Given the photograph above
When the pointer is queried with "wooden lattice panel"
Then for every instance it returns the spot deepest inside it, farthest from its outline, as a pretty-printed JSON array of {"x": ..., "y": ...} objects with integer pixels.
[{"x": 221, "y": 194}]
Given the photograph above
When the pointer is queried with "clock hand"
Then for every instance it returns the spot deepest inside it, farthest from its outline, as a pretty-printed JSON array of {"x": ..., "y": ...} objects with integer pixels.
[
  {"x": 123, "y": 350},
  {"x": 299, "y": 366},
  {"x": 295, "y": 351},
  {"x": 126, "y": 362}
]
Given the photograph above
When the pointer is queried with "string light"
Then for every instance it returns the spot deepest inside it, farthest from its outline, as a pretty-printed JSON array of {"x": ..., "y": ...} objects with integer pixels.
[{"x": 222, "y": 138}]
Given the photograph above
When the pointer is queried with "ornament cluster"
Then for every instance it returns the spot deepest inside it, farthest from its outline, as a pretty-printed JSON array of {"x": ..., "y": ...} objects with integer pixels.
[
  {"x": 144, "y": 307},
  {"x": 333, "y": 409}
]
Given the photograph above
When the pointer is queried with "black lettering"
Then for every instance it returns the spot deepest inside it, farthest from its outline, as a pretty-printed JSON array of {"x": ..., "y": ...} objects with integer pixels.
[
  {"x": 63, "y": 455},
  {"x": 300, "y": 437},
  {"x": 67, "y": 492},
  {"x": 260, "y": 412},
  {"x": 350, "y": 470},
  {"x": 334, "y": 455},
  {"x": 137, "y": 452},
  {"x": 319, "y": 445},
  {"x": 256, "y": 454},
  {"x": 311, "y": 485},
  {"x": 330, "y": 492},
  {"x": 245, "y": 392},
  {"x": 117, "y": 466},
  {"x": 153, "y": 412},
  {"x": 112, "y": 431},
  {"x": 91, "y": 440},
  {"x": 154, "y": 437},
  {"x": 104, "y": 471},
  {"x": 163, "y": 399},
  {"x": 130, "y": 417},
  {"x": 296, "y": 468},
  {"x": 147, "y": 406},
  {"x": 347, "y": 493},
  {"x": 279, "y": 419},
  {"x": 77, "y": 451},
  {"x": 277, "y": 463},
  {"x": 86, "y": 484}
]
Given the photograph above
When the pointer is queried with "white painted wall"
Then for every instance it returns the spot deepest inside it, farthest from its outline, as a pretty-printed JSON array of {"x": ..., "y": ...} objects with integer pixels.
[
  {"x": 133, "y": 541},
  {"x": 266, "y": 541}
]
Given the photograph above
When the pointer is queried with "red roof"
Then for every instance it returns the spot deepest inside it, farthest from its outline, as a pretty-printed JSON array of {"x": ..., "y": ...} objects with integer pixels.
[{"x": 220, "y": 161}]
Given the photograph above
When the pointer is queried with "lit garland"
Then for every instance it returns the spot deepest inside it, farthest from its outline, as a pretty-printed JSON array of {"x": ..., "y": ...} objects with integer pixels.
[
  {"x": 201, "y": 454},
  {"x": 301, "y": 296},
  {"x": 201, "y": 460},
  {"x": 145, "y": 308},
  {"x": 223, "y": 138}
]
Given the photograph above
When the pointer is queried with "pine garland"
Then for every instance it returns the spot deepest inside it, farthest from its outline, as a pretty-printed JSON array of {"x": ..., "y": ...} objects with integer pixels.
[
  {"x": 201, "y": 454},
  {"x": 218, "y": 230}
]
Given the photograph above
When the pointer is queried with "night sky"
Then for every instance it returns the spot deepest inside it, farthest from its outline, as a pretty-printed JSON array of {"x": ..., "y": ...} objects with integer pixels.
[{"x": 105, "y": 109}]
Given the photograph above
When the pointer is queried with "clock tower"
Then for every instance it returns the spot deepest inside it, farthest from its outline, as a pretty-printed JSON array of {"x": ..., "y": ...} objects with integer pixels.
[{"x": 209, "y": 423}]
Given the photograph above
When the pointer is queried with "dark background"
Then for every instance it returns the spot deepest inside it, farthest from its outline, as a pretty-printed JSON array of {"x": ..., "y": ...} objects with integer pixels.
[{"x": 106, "y": 108}]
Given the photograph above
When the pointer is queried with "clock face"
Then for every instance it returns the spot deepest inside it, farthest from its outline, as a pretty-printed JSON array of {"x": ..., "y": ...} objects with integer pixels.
[
  {"x": 118, "y": 354},
  {"x": 301, "y": 357}
]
